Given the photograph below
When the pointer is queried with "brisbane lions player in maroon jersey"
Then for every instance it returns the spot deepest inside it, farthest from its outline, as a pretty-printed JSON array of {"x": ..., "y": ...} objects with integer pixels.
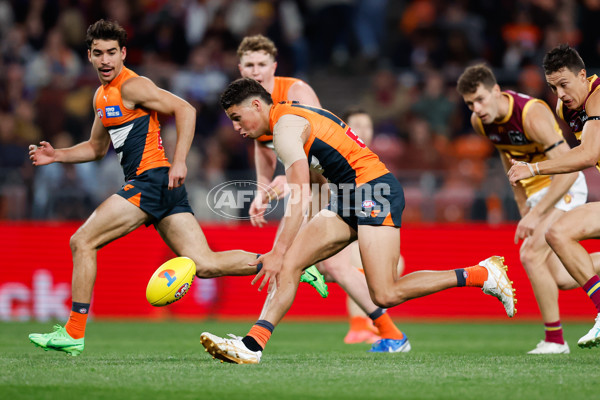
[
  {"x": 579, "y": 106},
  {"x": 524, "y": 128}
]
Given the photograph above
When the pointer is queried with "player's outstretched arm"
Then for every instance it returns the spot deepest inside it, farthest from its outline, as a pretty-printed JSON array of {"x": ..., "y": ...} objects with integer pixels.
[
  {"x": 140, "y": 91},
  {"x": 289, "y": 135},
  {"x": 578, "y": 158},
  {"x": 299, "y": 183},
  {"x": 542, "y": 128},
  {"x": 93, "y": 149}
]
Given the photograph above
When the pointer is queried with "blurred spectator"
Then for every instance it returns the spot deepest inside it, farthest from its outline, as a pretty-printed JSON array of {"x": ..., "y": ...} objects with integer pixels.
[
  {"x": 422, "y": 151},
  {"x": 522, "y": 37},
  {"x": 433, "y": 105},
  {"x": 201, "y": 83},
  {"x": 188, "y": 47},
  {"x": 589, "y": 15},
  {"x": 6, "y": 18},
  {"x": 387, "y": 102},
  {"x": 55, "y": 65},
  {"x": 369, "y": 27},
  {"x": 13, "y": 170},
  {"x": 531, "y": 81},
  {"x": 64, "y": 191},
  {"x": 329, "y": 31},
  {"x": 15, "y": 48}
]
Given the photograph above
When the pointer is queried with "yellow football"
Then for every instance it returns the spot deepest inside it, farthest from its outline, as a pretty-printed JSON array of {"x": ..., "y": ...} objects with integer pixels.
[{"x": 170, "y": 281}]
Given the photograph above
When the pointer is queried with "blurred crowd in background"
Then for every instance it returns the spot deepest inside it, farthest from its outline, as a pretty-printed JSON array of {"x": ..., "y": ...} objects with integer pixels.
[{"x": 397, "y": 59}]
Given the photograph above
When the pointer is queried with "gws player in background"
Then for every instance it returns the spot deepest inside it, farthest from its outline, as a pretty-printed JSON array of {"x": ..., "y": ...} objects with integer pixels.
[
  {"x": 361, "y": 326},
  {"x": 257, "y": 55},
  {"x": 579, "y": 106},
  {"x": 368, "y": 209},
  {"x": 524, "y": 128}
]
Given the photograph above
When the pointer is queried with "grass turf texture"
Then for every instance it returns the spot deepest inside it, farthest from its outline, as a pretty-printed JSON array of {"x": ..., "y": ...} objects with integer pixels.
[{"x": 141, "y": 360}]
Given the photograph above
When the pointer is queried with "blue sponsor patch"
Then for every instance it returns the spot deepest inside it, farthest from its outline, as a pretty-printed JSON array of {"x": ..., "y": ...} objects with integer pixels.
[{"x": 112, "y": 112}]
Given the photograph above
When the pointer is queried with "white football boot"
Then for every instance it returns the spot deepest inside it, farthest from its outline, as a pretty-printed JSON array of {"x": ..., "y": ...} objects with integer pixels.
[
  {"x": 498, "y": 284},
  {"x": 544, "y": 347},
  {"x": 229, "y": 350},
  {"x": 592, "y": 338}
]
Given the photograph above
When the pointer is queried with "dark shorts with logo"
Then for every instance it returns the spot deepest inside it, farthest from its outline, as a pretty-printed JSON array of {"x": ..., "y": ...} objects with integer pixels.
[
  {"x": 377, "y": 202},
  {"x": 150, "y": 192}
]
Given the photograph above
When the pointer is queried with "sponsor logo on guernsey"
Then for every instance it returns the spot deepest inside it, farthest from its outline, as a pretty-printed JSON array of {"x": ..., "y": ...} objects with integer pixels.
[
  {"x": 517, "y": 138},
  {"x": 100, "y": 114},
  {"x": 113, "y": 112}
]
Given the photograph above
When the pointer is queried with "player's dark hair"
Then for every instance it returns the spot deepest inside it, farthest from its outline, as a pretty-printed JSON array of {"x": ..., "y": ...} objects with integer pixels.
[
  {"x": 241, "y": 89},
  {"x": 563, "y": 56},
  {"x": 473, "y": 76},
  {"x": 257, "y": 43},
  {"x": 106, "y": 30}
]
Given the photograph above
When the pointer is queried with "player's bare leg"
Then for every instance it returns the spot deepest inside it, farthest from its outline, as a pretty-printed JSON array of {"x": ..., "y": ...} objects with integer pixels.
[
  {"x": 537, "y": 259},
  {"x": 324, "y": 235},
  {"x": 341, "y": 271},
  {"x": 380, "y": 250},
  {"x": 114, "y": 218},
  {"x": 355, "y": 285},
  {"x": 564, "y": 236},
  {"x": 361, "y": 326},
  {"x": 386, "y": 291},
  {"x": 182, "y": 233}
]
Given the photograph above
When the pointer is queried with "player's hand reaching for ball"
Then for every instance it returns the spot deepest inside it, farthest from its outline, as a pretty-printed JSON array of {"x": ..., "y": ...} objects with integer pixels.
[{"x": 272, "y": 264}]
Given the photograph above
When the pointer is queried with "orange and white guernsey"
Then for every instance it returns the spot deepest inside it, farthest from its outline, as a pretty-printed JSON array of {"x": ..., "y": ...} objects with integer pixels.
[
  {"x": 332, "y": 146},
  {"x": 135, "y": 134},
  {"x": 281, "y": 87}
]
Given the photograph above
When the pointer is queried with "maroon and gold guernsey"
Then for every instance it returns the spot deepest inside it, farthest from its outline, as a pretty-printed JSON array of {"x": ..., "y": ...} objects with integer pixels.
[
  {"x": 577, "y": 118},
  {"x": 511, "y": 139}
]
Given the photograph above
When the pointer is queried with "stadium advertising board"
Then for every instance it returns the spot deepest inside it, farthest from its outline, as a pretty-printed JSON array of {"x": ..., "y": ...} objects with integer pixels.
[{"x": 35, "y": 279}]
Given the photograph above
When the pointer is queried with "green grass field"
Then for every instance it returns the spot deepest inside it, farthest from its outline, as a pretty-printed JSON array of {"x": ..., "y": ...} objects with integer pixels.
[{"x": 141, "y": 360}]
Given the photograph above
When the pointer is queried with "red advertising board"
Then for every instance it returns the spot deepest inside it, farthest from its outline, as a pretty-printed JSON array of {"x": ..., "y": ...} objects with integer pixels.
[{"x": 35, "y": 275}]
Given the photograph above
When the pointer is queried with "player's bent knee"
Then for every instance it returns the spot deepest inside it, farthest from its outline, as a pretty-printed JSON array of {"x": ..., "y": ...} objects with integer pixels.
[
  {"x": 553, "y": 236},
  {"x": 384, "y": 300},
  {"x": 332, "y": 269},
  {"x": 78, "y": 242},
  {"x": 529, "y": 256}
]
